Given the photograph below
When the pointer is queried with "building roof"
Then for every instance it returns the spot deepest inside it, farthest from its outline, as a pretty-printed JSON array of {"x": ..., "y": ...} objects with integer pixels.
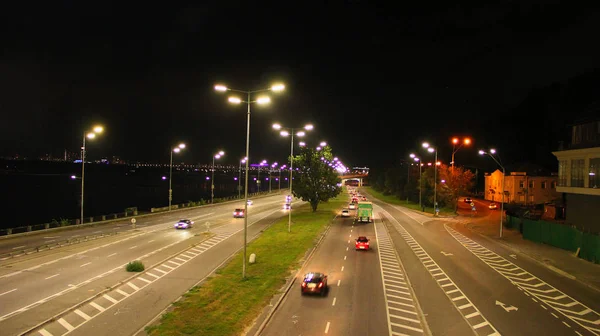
[{"x": 531, "y": 169}]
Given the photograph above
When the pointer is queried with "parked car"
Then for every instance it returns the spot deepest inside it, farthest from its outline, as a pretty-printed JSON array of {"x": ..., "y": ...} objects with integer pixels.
[
  {"x": 184, "y": 224},
  {"x": 493, "y": 206},
  {"x": 314, "y": 283},
  {"x": 238, "y": 213},
  {"x": 362, "y": 243}
]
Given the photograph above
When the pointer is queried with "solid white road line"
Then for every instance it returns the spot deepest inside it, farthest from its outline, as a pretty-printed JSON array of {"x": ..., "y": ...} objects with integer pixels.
[
  {"x": 52, "y": 276},
  {"x": 327, "y": 328},
  {"x": 10, "y": 291}
]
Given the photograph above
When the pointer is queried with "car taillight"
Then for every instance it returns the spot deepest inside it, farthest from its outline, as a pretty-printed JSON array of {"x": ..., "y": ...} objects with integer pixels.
[
  {"x": 304, "y": 284},
  {"x": 320, "y": 284}
]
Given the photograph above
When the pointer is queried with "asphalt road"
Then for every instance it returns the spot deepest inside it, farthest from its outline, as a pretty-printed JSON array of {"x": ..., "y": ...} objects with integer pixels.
[{"x": 39, "y": 286}]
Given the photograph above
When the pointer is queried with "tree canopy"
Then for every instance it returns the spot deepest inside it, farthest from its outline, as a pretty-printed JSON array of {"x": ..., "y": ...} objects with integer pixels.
[{"x": 315, "y": 180}]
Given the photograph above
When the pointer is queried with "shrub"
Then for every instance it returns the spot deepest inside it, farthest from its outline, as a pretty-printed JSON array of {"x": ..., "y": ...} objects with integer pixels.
[
  {"x": 135, "y": 266},
  {"x": 64, "y": 222}
]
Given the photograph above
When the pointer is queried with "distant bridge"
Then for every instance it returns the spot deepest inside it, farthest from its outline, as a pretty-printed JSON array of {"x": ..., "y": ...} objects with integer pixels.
[{"x": 354, "y": 177}]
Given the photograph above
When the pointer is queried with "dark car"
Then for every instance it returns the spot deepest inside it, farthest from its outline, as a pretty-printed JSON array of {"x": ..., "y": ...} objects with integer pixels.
[
  {"x": 287, "y": 206},
  {"x": 468, "y": 200},
  {"x": 314, "y": 283},
  {"x": 238, "y": 213},
  {"x": 184, "y": 224}
]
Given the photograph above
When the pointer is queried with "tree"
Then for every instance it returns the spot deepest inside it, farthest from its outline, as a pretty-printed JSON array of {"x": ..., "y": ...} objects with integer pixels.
[
  {"x": 315, "y": 180},
  {"x": 457, "y": 182}
]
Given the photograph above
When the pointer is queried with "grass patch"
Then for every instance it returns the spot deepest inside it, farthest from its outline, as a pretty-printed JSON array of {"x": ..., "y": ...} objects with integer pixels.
[
  {"x": 135, "y": 266},
  {"x": 395, "y": 200},
  {"x": 226, "y": 304}
]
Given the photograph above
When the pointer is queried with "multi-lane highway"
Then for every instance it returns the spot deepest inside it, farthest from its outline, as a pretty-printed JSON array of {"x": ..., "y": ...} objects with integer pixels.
[
  {"x": 85, "y": 287},
  {"x": 426, "y": 276}
]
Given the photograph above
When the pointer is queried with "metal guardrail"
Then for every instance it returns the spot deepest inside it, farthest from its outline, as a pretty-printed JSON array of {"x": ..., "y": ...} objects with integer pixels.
[{"x": 67, "y": 224}]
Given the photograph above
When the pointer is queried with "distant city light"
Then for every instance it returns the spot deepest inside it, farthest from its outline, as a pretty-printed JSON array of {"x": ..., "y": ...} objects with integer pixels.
[
  {"x": 235, "y": 178},
  {"x": 208, "y": 178},
  {"x": 73, "y": 177},
  {"x": 164, "y": 177}
]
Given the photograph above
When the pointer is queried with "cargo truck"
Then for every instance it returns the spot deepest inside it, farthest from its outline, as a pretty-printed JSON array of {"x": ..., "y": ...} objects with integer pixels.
[{"x": 364, "y": 212}]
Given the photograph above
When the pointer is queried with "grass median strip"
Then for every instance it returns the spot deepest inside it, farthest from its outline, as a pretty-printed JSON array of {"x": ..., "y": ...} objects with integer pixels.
[
  {"x": 226, "y": 304},
  {"x": 395, "y": 200}
]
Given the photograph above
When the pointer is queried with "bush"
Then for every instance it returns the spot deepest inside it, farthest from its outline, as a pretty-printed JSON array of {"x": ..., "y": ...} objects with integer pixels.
[
  {"x": 135, "y": 266},
  {"x": 64, "y": 222}
]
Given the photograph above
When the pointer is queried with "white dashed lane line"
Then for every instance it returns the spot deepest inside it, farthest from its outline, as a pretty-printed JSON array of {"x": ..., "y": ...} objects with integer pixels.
[
  {"x": 471, "y": 314},
  {"x": 402, "y": 314},
  {"x": 532, "y": 286}
]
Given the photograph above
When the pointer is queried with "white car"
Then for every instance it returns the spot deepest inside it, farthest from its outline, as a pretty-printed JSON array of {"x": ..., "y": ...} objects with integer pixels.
[
  {"x": 352, "y": 206},
  {"x": 345, "y": 213},
  {"x": 250, "y": 202}
]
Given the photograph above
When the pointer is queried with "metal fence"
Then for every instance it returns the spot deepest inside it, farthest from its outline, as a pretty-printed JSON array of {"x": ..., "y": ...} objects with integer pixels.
[{"x": 128, "y": 213}]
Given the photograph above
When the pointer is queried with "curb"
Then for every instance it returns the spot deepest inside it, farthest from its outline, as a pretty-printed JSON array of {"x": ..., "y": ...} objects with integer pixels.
[
  {"x": 291, "y": 283},
  {"x": 530, "y": 257},
  {"x": 123, "y": 219}
]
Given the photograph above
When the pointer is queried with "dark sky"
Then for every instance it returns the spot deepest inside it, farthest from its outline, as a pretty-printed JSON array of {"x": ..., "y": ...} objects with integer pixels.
[{"x": 375, "y": 80}]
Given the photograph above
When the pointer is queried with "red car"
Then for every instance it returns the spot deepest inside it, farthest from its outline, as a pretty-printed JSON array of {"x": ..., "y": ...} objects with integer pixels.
[
  {"x": 238, "y": 213},
  {"x": 362, "y": 243},
  {"x": 314, "y": 283}
]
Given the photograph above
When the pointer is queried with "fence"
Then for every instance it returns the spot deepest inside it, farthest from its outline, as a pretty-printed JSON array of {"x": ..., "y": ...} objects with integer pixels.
[
  {"x": 128, "y": 213},
  {"x": 558, "y": 235}
]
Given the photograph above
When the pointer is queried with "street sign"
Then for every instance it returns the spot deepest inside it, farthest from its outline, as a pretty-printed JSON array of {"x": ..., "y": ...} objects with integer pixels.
[
  {"x": 133, "y": 221},
  {"x": 472, "y": 204}
]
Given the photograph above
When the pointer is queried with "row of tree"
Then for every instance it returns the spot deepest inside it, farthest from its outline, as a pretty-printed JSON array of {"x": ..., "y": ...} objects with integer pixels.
[
  {"x": 404, "y": 182},
  {"x": 315, "y": 180}
]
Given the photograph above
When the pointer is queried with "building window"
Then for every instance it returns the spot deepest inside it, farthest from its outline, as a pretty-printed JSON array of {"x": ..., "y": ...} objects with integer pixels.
[
  {"x": 543, "y": 185},
  {"x": 594, "y": 174},
  {"x": 530, "y": 184},
  {"x": 521, "y": 184},
  {"x": 562, "y": 173},
  {"x": 553, "y": 185},
  {"x": 577, "y": 173}
]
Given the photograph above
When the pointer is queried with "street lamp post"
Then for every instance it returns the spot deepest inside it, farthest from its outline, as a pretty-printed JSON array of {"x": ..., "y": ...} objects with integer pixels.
[
  {"x": 455, "y": 148},
  {"x": 174, "y": 150},
  {"x": 435, "y": 163},
  {"x": 491, "y": 154},
  {"x": 91, "y": 135},
  {"x": 270, "y": 174},
  {"x": 212, "y": 176},
  {"x": 280, "y": 168},
  {"x": 291, "y": 131},
  {"x": 240, "y": 178},
  {"x": 418, "y": 160},
  {"x": 262, "y": 163},
  {"x": 248, "y": 102}
]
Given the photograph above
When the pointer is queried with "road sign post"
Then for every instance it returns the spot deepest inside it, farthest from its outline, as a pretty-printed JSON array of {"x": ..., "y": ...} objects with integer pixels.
[{"x": 133, "y": 221}]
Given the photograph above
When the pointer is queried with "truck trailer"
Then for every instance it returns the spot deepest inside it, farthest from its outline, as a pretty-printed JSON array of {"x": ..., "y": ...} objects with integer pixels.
[{"x": 364, "y": 212}]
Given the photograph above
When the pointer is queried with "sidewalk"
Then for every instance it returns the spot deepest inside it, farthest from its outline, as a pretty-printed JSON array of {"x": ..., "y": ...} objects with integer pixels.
[{"x": 558, "y": 260}]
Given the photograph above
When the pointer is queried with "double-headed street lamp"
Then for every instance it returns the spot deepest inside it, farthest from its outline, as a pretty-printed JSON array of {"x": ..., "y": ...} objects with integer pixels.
[
  {"x": 291, "y": 132},
  {"x": 456, "y": 145},
  {"x": 173, "y": 150},
  {"x": 321, "y": 145},
  {"x": 418, "y": 161},
  {"x": 491, "y": 154},
  {"x": 212, "y": 176},
  {"x": 262, "y": 163},
  {"x": 279, "y": 179},
  {"x": 240, "y": 178},
  {"x": 436, "y": 163},
  {"x": 248, "y": 101},
  {"x": 90, "y": 135},
  {"x": 271, "y": 172}
]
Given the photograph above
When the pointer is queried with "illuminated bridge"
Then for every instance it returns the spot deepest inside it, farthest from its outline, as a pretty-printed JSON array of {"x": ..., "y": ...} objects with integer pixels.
[{"x": 354, "y": 177}]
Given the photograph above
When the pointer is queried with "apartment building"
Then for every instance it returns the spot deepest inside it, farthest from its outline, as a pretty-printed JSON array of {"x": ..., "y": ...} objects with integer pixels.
[{"x": 524, "y": 186}]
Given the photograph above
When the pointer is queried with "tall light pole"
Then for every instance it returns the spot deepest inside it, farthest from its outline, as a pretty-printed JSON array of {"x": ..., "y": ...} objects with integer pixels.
[
  {"x": 240, "y": 178},
  {"x": 270, "y": 173},
  {"x": 248, "y": 101},
  {"x": 436, "y": 164},
  {"x": 456, "y": 145},
  {"x": 491, "y": 154},
  {"x": 90, "y": 135},
  {"x": 173, "y": 150},
  {"x": 291, "y": 132},
  {"x": 280, "y": 168},
  {"x": 262, "y": 163},
  {"x": 212, "y": 176},
  {"x": 418, "y": 160}
]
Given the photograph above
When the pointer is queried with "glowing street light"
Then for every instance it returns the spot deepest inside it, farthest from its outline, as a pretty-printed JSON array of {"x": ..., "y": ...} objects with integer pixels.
[
  {"x": 176, "y": 149},
  {"x": 212, "y": 177},
  {"x": 430, "y": 149},
  {"x": 491, "y": 154},
  {"x": 456, "y": 145},
  {"x": 90, "y": 135},
  {"x": 236, "y": 100}
]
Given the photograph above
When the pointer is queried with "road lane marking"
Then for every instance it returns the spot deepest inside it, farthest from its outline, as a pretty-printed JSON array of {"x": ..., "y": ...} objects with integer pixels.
[
  {"x": 44, "y": 332},
  {"x": 83, "y": 315},
  {"x": 85, "y": 264},
  {"x": 52, "y": 276},
  {"x": 400, "y": 307},
  {"x": 18, "y": 247},
  {"x": 333, "y": 303},
  {"x": 110, "y": 255},
  {"x": 342, "y": 268},
  {"x": 131, "y": 248},
  {"x": 226, "y": 233},
  {"x": 531, "y": 285},
  {"x": 66, "y": 324},
  {"x": 339, "y": 282},
  {"x": 461, "y": 302},
  {"x": 10, "y": 291},
  {"x": 344, "y": 257},
  {"x": 347, "y": 248},
  {"x": 327, "y": 328}
]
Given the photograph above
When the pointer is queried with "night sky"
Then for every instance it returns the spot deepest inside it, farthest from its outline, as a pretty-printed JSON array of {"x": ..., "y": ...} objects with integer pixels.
[{"x": 374, "y": 80}]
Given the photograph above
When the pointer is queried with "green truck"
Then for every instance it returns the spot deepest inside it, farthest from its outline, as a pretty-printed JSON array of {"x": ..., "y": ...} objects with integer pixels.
[{"x": 364, "y": 212}]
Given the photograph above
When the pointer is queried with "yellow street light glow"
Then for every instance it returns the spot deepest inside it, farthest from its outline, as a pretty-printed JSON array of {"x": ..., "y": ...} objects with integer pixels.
[
  {"x": 217, "y": 156},
  {"x": 176, "y": 149},
  {"x": 430, "y": 150},
  {"x": 301, "y": 134},
  {"x": 221, "y": 153},
  {"x": 412, "y": 155},
  {"x": 302, "y": 144},
  {"x": 91, "y": 135},
  {"x": 493, "y": 151},
  {"x": 277, "y": 126},
  {"x": 277, "y": 87},
  {"x": 221, "y": 88},
  {"x": 455, "y": 141},
  {"x": 234, "y": 100},
  {"x": 98, "y": 129},
  {"x": 467, "y": 141},
  {"x": 425, "y": 145},
  {"x": 181, "y": 145},
  {"x": 323, "y": 144},
  {"x": 308, "y": 127},
  {"x": 284, "y": 133},
  {"x": 263, "y": 100}
]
